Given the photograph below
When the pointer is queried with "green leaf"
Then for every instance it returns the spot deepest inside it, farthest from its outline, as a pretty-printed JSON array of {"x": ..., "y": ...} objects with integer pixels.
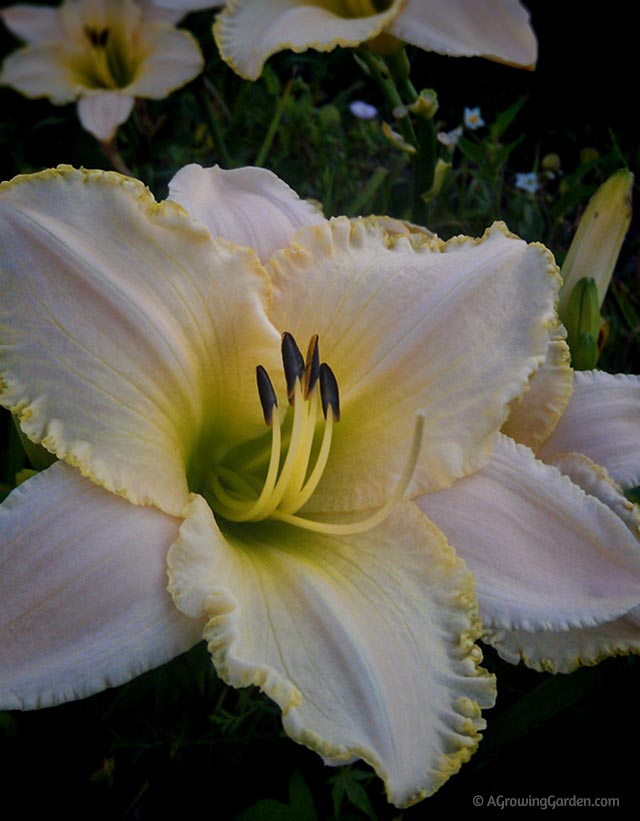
[{"x": 299, "y": 808}]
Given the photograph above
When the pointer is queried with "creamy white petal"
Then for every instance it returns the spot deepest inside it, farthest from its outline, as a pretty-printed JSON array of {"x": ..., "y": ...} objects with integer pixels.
[
  {"x": 38, "y": 71},
  {"x": 366, "y": 642},
  {"x": 602, "y": 420},
  {"x": 545, "y": 554},
  {"x": 249, "y": 206},
  {"x": 498, "y": 29},
  {"x": 83, "y": 591},
  {"x": 100, "y": 114},
  {"x": 533, "y": 416},
  {"x": 171, "y": 58},
  {"x": 33, "y": 24},
  {"x": 454, "y": 329},
  {"x": 121, "y": 350},
  {"x": 248, "y": 32}
]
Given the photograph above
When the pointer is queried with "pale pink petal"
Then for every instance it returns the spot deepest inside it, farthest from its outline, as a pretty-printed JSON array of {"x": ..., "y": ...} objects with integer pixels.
[
  {"x": 83, "y": 591},
  {"x": 546, "y": 556},
  {"x": 602, "y": 420},
  {"x": 249, "y": 206},
  {"x": 564, "y": 651}
]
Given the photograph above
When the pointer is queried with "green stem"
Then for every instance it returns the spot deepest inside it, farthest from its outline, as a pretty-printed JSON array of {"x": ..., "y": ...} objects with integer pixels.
[
  {"x": 215, "y": 130},
  {"x": 388, "y": 88},
  {"x": 274, "y": 125},
  {"x": 110, "y": 150}
]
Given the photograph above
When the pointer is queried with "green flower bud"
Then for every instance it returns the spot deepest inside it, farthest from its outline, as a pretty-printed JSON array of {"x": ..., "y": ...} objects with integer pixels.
[
  {"x": 426, "y": 105},
  {"x": 583, "y": 321}
]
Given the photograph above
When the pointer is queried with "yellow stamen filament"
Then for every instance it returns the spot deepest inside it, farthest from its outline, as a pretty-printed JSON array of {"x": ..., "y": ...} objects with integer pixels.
[
  {"x": 288, "y": 485},
  {"x": 360, "y": 8},
  {"x": 349, "y": 528}
]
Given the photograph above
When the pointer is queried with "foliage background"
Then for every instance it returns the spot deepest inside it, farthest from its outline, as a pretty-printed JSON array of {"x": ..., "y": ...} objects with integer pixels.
[{"x": 177, "y": 740}]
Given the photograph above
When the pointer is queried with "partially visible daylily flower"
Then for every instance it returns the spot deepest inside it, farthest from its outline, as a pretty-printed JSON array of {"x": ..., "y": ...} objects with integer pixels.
[
  {"x": 473, "y": 118},
  {"x": 573, "y": 447},
  {"x": 362, "y": 110},
  {"x": 248, "y": 32},
  {"x": 527, "y": 182},
  {"x": 160, "y": 364},
  {"x": 102, "y": 53}
]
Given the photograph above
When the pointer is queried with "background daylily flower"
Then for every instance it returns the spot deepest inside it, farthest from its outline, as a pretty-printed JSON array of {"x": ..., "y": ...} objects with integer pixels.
[
  {"x": 102, "y": 53},
  {"x": 248, "y": 32},
  {"x": 131, "y": 354}
]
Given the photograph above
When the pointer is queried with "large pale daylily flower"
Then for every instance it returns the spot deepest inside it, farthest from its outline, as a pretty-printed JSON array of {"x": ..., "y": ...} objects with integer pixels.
[
  {"x": 154, "y": 357},
  {"x": 573, "y": 446},
  {"x": 248, "y": 32},
  {"x": 102, "y": 53}
]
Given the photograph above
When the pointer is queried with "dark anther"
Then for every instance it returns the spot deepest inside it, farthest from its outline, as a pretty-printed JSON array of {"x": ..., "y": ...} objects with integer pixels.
[
  {"x": 97, "y": 38},
  {"x": 292, "y": 362},
  {"x": 267, "y": 394},
  {"x": 312, "y": 367},
  {"x": 329, "y": 392}
]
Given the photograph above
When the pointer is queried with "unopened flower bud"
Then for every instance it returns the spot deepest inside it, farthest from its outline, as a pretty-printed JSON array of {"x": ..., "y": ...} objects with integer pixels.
[
  {"x": 596, "y": 244},
  {"x": 426, "y": 105}
]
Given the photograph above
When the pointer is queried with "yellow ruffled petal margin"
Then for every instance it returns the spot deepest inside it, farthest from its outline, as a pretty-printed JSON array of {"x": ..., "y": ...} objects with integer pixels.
[
  {"x": 410, "y": 324},
  {"x": 133, "y": 308},
  {"x": 248, "y": 32},
  {"x": 565, "y": 651},
  {"x": 536, "y": 413},
  {"x": 365, "y": 642}
]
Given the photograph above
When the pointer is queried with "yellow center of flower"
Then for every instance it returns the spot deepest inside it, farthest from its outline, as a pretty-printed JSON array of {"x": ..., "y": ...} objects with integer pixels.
[
  {"x": 364, "y": 8},
  {"x": 292, "y": 477},
  {"x": 103, "y": 60}
]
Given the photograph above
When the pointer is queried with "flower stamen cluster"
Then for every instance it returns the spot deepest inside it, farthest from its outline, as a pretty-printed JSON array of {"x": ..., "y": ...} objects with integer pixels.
[{"x": 289, "y": 483}]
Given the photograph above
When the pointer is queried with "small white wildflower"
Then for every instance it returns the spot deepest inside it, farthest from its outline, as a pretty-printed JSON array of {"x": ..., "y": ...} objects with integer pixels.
[
  {"x": 473, "y": 118},
  {"x": 528, "y": 182}
]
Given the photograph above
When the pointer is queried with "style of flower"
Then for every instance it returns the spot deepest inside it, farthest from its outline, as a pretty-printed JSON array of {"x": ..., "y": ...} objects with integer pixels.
[
  {"x": 102, "y": 53},
  {"x": 473, "y": 118},
  {"x": 248, "y": 32},
  {"x": 153, "y": 349},
  {"x": 527, "y": 182}
]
